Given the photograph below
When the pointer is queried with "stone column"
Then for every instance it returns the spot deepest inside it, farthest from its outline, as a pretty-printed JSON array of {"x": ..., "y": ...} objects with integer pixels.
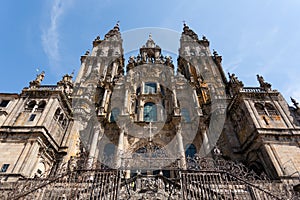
[
  {"x": 21, "y": 158},
  {"x": 181, "y": 147},
  {"x": 205, "y": 144},
  {"x": 93, "y": 149},
  {"x": 143, "y": 87},
  {"x": 125, "y": 110},
  {"x": 141, "y": 111},
  {"x": 120, "y": 149},
  {"x": 103, "y": 102},
  {"x": 45, "y": 114},
  {"x": 196, "y": 97},
  {"x": 176, "y": 108},
  {"x": 15, "y": 112}
]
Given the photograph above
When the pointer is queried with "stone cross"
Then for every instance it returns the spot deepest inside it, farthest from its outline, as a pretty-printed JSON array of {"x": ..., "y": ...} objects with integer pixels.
[{"x": 151, "y": 128}]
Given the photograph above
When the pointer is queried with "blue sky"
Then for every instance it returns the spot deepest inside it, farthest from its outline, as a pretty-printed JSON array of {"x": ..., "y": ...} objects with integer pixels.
[{"x": 252, "y": 36}]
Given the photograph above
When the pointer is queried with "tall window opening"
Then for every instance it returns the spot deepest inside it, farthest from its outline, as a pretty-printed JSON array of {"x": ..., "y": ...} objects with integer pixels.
[
  {"x": 42, "y": 105},
  {"x": 150, "y": 112},
  {"x": 115, "y": 112},
  {"x": 271, "y": 110},
  {"x": 260, "y": 109},
  {"x": 31, "y": 105},
  {"x": 190, "y": 150}
]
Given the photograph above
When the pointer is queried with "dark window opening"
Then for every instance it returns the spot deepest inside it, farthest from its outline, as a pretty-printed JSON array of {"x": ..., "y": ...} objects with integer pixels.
[
  {"x": 114, "y": 114},
  {"x": 4, "y": 103},
  {"x": 31, "y": 105},
  {"x": 271, "y": 110},
  {"x": 260, "y": 109},
  {"x": 57, "y": 113},
  {"x": 4, "y": 167},
  {"x": 32, "y": 117},
  {"x": 42, "y": 105},
  {"x": 266, "y": 121},
  {"x": 190, "y": 150},
  {"x": 138, "y": 90}
]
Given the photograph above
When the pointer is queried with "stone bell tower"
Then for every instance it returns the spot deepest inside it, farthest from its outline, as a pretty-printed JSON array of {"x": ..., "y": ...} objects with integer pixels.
[
  {"x": 35, "y": 129},
  {"x": 262, "y": 130}
]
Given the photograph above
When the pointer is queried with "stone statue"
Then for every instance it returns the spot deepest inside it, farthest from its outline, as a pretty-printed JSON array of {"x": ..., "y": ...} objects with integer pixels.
[
  {"x": 234, "y": 80},
  {"x": 262, "y": 83},
  {"x": 296, "y": 104},
  {"x": 234, "y": 84}
]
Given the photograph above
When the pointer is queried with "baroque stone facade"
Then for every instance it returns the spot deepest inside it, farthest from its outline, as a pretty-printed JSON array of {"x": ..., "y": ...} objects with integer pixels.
[{"x": 145, "y": 125}]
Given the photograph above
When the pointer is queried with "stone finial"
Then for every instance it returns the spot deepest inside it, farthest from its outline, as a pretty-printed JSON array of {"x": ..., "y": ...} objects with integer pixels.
[
  {"x": 265, "y": 85},
  {"x": 113, "y": 34},
  {"x": 187, "y": 31},
  {"x": 66, "y": 83},
  {"x": 234, "y": 84},
  {"x": 37, "y": 82},
  {"x": 234, "y": 80},
  {"x": 150, "y": 43},
  {"x": 215, "y": 53},
  {"x": 296, "y": 104}
]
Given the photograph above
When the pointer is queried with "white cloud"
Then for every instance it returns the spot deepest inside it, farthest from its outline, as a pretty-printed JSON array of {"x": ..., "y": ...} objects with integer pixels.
[{"x": 50, "y": 33}]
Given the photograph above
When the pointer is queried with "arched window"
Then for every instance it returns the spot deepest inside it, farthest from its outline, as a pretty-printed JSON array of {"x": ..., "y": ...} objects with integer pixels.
[
  {"x": 185, "y": 115},
  {"x": 190, "y": 150},
  {"x": 61, "y": 117},
  {"x": 115, "y": 112},
  {"x": 42, "y": 105},
  {"x": 271, "y": 110},
  {"x": 150, "y": 112},
  {"x": 31, "y": 105},
  {"x": 64, "y": 123},
  {"x": 56, "y": 114},
  {"x": 150, "y": 88},
  {"x": 260, "y": 109}
]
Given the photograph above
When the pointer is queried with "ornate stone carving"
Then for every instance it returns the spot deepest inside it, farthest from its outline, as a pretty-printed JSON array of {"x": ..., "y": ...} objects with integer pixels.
[
  {"x": 234, "y": 84},
  {"x": 265, "y": 85},
  {"x": 37, "y": 82}
]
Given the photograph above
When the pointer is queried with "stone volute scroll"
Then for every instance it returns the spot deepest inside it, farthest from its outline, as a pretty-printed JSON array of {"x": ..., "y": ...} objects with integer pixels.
[{"x": 37, "y": 82}]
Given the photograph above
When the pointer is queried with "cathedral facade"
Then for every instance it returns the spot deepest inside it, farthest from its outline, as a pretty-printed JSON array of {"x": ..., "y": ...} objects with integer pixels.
[{"x": 149, "y": 129}]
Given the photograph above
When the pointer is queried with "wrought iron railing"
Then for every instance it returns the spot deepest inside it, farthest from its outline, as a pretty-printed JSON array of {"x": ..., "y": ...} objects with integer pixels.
[{"x": 203, "y": 178}]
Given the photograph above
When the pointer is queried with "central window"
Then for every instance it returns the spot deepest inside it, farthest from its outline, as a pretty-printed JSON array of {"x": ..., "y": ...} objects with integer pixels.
[
  {"x": 150, "y": 88},
  {"x": 150, "y": 112}
]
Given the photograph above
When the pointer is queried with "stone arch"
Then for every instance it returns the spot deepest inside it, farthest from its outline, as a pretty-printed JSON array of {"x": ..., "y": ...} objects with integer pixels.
[
  {"x": 271, "y": 109},
  {"x": 42, "y": 105},
  {"x": 31, "y": 105},
  {"x": 57, "y": 113},
  {"x": 260, "y": 108}
]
